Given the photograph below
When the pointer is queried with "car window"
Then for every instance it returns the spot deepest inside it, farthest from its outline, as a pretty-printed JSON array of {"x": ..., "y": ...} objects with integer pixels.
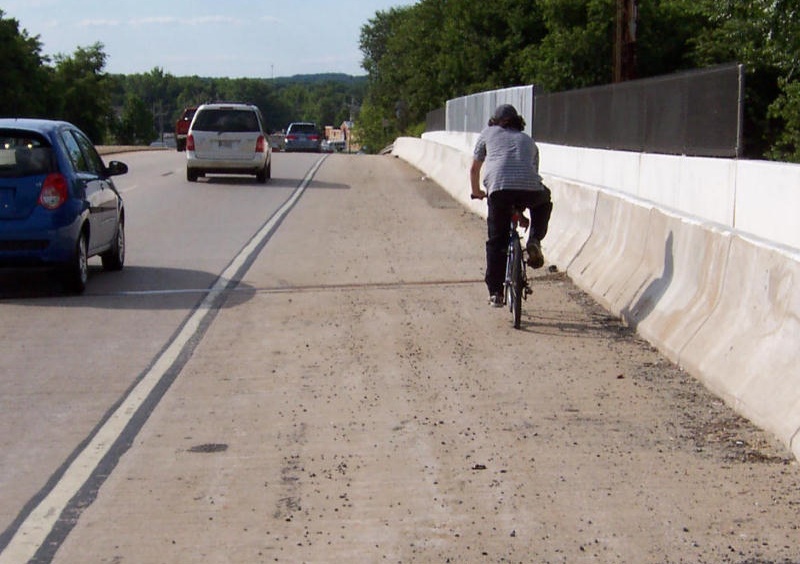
[
  {"x": 82, "y": 153},
  {"x": 226, "y": 121},
  {"x": 23, "y": 153},
  {"x": 74, "y": 151},
  {"x": 303, "y": 128},
  {"x": 93, "y": 160}
]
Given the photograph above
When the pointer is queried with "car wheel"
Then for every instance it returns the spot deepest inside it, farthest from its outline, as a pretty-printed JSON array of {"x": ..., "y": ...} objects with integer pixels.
[
  {"x": 191, "y": 175},
  {"x": 263, "y": 174},
  {"x": 114, "y": 258},
  {"x": 76, "y": 272},
  {"x": 180, "y": 145}
]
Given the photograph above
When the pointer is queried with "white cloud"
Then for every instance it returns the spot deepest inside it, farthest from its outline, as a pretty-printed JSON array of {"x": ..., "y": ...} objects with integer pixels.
[
  {"x": 160, "y": 20},
  {"x": 196, "y": 21},
  {"x": 203, "y": 20},
  {"x": 98, "y": 23}
]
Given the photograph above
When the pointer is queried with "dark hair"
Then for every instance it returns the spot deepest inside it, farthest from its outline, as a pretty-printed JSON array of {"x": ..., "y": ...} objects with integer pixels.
[{"x": 516, "y": 122}]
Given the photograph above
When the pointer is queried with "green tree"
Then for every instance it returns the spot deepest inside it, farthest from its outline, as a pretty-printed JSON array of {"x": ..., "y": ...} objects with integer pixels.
[
  {"x": 136, "y": 127},
  {"x": 786, "y": 109},
  {"x": 373, "y": 131},
  {"x": 84, "y": 94},
  {"x": 384, "y": 80},
  {"x": 418, "y": 57},
  {"x": 23, "y": 71},
  {"x": 666, "y": 36},
  {"x": 576, "y": 50}
]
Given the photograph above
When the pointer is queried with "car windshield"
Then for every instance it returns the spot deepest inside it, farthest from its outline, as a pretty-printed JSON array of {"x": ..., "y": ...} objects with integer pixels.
[
  {"x": 226, "y": 120},
  {"x": 23, "y": 153}
]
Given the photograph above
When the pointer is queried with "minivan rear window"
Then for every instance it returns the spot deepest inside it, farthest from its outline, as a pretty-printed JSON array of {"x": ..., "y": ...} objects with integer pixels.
[
  {"x": 221, "y": 120},
  {"x": 23, "y": 153}
]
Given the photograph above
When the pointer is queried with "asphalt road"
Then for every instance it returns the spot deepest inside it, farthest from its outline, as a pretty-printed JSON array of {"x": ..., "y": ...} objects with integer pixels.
[{"x": 308, "y": 371}]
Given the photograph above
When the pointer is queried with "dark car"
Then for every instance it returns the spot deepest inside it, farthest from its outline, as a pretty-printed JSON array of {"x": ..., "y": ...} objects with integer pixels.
[
  {"x": 302, "y": 136},
  {"x": 58, "y": 204}
]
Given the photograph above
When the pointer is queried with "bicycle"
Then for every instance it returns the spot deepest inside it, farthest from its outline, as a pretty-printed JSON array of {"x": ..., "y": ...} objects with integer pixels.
[{"x": 515, "y": 287}]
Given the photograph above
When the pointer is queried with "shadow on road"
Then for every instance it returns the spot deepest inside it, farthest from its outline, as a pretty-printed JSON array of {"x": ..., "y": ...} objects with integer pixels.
[{"x": 135, "y": 287}]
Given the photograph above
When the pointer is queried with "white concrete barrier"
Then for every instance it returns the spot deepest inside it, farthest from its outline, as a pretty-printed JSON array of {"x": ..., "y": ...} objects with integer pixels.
[
  {"x": 723, "y": 305},
  {"x": 571, "y": 227},
  {"x": 768, "y": 201},
  {"x": 747, "y": 349},
  {"x": 615, "y": 248},
  {"x": 686, "y": 261}
]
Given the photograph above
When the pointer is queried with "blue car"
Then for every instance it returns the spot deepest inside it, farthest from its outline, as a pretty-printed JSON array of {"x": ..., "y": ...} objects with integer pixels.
[{"x": 58, "y": 204}]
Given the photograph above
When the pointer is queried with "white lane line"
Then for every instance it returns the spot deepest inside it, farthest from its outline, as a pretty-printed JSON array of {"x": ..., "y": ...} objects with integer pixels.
[{"x": 33, "y": 531}]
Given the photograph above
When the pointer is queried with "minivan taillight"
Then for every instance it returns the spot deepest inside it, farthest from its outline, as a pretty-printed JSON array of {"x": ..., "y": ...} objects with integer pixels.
[
  {"x": 190, "y": 142},
  {"x": 54, "y": 191},
  {"x": 260, "y": 144}
]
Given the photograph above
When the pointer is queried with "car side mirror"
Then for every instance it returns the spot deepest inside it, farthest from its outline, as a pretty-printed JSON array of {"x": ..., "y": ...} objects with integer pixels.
[{"x": 115, "y": 168}]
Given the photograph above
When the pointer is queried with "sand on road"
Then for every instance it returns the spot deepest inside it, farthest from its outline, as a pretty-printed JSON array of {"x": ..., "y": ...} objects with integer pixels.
[{"x": 356, "y": 400}]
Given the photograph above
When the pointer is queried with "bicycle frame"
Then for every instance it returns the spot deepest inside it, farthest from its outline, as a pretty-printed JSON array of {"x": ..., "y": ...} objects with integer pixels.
[{"x": 516, "y": 287}]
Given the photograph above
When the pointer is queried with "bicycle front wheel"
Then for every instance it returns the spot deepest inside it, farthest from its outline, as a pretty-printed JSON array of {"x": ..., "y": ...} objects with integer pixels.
[{"x": 517, "y": 282}]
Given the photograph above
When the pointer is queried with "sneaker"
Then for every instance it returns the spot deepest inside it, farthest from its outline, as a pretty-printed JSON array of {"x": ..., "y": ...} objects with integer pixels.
[
  {"x": 535, "y": 256},
  {"x": 497, "y": 300}
]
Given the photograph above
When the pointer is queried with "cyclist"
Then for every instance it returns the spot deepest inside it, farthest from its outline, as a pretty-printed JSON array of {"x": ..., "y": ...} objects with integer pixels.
[{"x": 511, "y": 178}]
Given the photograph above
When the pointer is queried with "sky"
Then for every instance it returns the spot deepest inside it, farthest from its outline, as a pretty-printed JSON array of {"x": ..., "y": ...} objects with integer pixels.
[{"x": 209, "y": 38}]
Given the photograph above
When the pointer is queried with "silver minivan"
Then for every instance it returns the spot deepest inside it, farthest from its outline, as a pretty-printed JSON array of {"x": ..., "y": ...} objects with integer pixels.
[{"x": 228, "y": 139}]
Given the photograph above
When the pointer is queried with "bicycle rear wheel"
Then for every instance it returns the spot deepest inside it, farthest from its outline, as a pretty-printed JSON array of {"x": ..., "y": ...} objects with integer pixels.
[{"x": 517, "y": 282}]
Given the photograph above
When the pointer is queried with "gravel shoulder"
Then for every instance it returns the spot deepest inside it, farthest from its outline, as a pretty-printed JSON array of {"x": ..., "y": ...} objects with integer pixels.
[{"x": 362, "y": 403}]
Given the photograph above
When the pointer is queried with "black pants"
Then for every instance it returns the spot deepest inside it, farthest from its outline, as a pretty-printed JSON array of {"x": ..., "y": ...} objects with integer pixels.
[{"x": 501, "y": 202}]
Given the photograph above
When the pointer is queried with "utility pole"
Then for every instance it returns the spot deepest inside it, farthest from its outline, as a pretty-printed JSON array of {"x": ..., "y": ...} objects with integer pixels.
[{"x": 627, "y": 18}]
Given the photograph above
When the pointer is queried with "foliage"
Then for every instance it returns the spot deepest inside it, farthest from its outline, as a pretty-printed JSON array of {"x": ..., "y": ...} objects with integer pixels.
[
  {"x": 23, "y": 71},
  {"x": 83, "y": 97},
  {"x": 787, "y": 109},
  {"x": 324, "y": 99},
  {"x": 565, "y": 44},
  {"x": 372, "y": 131},
  {"x": 575, "y": 51},
  {"x": 135, "y": 126},
  {"x": 419, "y": 56},
  {"x": 137, "y": 108}
]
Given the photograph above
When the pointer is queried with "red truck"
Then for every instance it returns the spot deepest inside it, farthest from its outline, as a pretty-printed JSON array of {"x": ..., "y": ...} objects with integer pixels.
[{"x": 182, "y": 127}]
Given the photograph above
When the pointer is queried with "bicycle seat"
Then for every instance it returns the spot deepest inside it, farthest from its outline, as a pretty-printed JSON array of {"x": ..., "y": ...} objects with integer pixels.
[{"x": 519, "y": 218}]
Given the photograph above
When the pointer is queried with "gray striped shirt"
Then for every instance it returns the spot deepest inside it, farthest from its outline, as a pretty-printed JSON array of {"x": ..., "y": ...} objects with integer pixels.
[{"x": 510, "y": 160}]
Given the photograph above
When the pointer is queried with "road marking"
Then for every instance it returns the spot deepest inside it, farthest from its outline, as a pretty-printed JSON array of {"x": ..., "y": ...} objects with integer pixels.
[{"x": 33, "y": 531}]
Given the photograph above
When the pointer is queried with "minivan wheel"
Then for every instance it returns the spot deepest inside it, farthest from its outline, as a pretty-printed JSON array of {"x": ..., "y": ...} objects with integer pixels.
[
  {"x": 191, "y": 175},
  {"x": 76, "y": 272}
]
